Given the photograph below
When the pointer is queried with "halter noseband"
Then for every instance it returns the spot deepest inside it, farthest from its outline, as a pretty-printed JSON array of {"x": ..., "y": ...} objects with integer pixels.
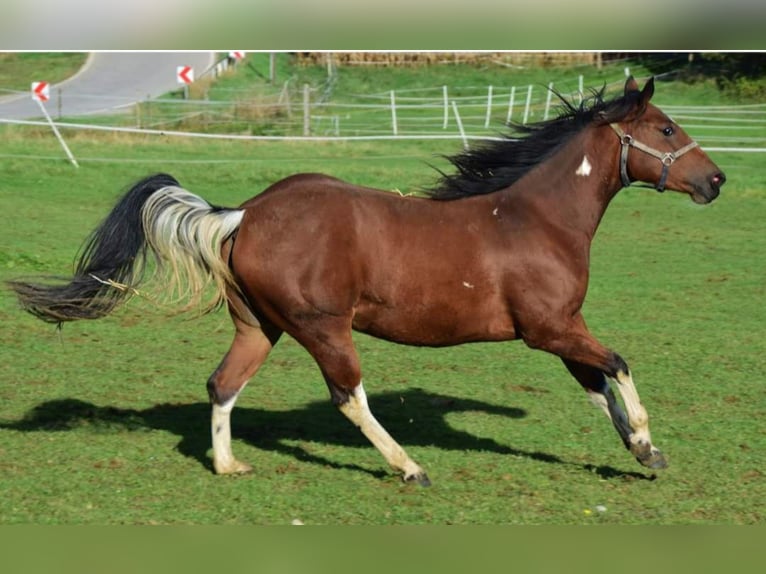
[{"x": 667, "y": 158}]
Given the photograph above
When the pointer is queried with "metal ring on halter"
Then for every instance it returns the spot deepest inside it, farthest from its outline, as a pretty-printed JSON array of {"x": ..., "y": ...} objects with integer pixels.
[{"x": 668, "y": 159}]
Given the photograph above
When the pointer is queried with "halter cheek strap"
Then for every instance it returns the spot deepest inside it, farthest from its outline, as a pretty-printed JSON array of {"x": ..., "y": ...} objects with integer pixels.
[{"x": 667, "y": 158}]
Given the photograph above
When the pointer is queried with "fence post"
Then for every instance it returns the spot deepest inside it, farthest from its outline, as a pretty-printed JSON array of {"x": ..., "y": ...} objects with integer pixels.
[
  {"x": 548, "y": 101},
  {"x": 489, "y": 107},
  {"x": 393, "y": 113},
  {"x": 581, "y": 88},
  {"x": 526, "y": 107},
  {"x": 446, "y": 108},
  {"x": 284, "y": 98},
  {"x": 459, "y": 125},
  {"x": 510, "y": 105},
  {"x": 306, "y": 111}
]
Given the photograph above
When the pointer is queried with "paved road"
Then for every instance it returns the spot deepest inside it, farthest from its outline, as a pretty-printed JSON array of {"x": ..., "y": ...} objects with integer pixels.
[{"x": 110, "y": 80}]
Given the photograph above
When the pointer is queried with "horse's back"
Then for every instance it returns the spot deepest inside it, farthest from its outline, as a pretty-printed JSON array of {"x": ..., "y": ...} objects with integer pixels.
[
  {"x": 313, "y": 244},
  {"x": 305, "y": 187}
]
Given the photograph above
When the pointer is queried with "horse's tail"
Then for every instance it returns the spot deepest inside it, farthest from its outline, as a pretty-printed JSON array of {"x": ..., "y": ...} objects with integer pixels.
[{"x": 181, "y": 230}]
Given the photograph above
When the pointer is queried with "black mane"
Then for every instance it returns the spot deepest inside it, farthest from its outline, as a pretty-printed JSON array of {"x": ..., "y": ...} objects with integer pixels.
[{"x": 498, "y": 164}]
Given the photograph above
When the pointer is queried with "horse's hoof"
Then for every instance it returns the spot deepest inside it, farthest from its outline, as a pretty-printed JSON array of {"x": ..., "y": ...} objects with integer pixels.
[
  {"x": 421, "y": 478},
  {"x": 653, "y": 459},
  {"x": 234, "y": 467}
]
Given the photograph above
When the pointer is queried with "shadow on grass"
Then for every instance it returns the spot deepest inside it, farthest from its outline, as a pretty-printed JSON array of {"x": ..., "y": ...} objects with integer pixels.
[{"x": 414, "y": 417}]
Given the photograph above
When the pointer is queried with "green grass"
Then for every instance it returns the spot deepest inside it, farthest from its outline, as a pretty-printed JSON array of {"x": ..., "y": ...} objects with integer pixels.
[
  {"x": 19, "y": 69},
  {"x": 106, "y": 422}
]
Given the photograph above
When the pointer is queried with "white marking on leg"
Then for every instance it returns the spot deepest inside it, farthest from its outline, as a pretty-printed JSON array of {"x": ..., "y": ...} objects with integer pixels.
[
  {"x": 358, "y": 412},
  {"x": 585, "y": 167},
  {"x": 599, "y": 400},
  {"x": 637, "y": 415},
  {"x": 220, "y": 425},
  {"x": 606, "y": 400}
]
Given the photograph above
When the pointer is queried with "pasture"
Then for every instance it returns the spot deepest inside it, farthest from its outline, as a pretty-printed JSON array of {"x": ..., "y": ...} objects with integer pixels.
[{"x": 107, "y": 422}]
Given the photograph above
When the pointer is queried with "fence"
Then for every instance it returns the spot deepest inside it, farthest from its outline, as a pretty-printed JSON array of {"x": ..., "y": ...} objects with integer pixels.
[{"x": 466, "y": 112}]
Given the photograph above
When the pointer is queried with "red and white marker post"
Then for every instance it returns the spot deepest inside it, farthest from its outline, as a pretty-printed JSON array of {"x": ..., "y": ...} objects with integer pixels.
[
  {"x": 41, "y": 92},
  {"x": 185, "y": 76}
]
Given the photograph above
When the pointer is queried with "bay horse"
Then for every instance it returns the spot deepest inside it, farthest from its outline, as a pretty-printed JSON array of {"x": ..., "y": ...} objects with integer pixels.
[{"x": 497, "y": 251}]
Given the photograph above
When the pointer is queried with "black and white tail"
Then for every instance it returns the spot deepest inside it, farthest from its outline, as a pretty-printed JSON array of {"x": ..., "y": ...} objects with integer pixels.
[{"x": 183, "y": 232}]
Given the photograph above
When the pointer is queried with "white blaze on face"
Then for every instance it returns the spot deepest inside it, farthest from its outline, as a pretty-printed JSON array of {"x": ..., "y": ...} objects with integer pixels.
[{"x": 585, "y": 167}]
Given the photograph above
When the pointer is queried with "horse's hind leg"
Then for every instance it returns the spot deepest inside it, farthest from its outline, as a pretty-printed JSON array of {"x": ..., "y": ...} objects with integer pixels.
[
  {"x": 336, "y": 356},
  {"x": 247, "y": 353},
  {"x": 353, "y": 404}
]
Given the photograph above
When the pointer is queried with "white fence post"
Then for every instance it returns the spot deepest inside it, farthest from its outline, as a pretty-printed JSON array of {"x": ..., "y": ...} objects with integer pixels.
[
  {"x": 306, "y": 111},
  {"x": 446, "y": 108},
  {"x": 284, "y": 99},
  {"x": 459, "y": 125},
  {"x": 393, "y": 113},
  {"x": 581, "y": 88},
  {"x": 548, "y": 101},
  {"x": 526, "y": 107},
  {"x": 489, "y": 107},
  {"x": 510, "y": 105}
]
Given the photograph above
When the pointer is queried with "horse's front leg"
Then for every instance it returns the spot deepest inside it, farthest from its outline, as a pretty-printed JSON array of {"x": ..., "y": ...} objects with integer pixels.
[
  {"x": 600, "y": 393},
  {"x": 589, "y": 361}
]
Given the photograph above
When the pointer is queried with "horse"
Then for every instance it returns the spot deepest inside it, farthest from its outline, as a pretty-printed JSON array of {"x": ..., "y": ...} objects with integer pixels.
[{"x": 496, "y": 251}]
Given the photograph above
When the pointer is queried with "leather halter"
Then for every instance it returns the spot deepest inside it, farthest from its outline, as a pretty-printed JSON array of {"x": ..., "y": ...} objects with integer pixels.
[{"x": 667, "y": 158}]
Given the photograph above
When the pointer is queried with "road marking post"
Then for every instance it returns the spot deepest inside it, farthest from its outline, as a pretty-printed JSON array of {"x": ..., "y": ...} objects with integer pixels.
[
  {"x": 185, "y": 76},
  {"x": 40, "y": 94}
]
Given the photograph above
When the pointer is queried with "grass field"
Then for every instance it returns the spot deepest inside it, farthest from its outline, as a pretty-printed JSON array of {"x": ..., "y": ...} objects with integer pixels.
[
  {"x": 19, "y": 69},
  {"x": 106, "y": 422}
]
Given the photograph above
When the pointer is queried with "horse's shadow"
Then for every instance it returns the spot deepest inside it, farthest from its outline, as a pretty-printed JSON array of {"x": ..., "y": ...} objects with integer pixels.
[{"x": 416, "y": 417}]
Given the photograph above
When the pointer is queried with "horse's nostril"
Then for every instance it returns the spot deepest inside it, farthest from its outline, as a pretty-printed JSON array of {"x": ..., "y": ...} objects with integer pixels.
[{"x": 719, "y": 179}]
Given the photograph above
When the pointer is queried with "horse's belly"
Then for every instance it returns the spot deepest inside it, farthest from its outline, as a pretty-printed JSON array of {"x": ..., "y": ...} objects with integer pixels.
[{"x": 431, "y": 326}]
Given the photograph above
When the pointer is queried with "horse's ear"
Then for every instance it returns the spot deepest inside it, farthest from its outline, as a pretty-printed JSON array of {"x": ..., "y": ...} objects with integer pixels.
[
  {"x": 647, "y": 92},
  {"x": 631, "y": 85}
]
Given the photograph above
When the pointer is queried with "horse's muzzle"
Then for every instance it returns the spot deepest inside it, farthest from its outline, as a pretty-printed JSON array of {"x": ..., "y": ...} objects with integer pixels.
[{"x": 708, "y": 191}]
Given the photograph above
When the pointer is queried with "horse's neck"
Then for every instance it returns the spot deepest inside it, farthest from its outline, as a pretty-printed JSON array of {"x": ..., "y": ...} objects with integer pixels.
[{"x": 573, "y": 187}]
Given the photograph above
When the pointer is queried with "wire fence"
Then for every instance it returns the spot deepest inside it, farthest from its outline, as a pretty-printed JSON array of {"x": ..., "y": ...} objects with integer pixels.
[{"x": 467, "y": 113}]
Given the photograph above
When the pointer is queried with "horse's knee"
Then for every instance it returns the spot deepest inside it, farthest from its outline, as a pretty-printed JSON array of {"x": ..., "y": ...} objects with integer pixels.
[
  {"x": 341, "y": 371},
  {"x": 213, "y": 389},
  {"x": 338, "y": 395}
]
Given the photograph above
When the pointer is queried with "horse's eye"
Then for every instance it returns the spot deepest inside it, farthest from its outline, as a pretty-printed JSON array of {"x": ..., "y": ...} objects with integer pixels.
[{"x": 668, "y": 131}]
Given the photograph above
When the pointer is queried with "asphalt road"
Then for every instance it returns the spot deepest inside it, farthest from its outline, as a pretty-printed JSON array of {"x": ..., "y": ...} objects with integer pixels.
[{"x": 109, "y": 81}]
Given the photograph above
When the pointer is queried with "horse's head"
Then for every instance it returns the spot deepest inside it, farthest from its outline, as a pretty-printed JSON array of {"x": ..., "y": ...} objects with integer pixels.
[{"x": 663, "y": 154}]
